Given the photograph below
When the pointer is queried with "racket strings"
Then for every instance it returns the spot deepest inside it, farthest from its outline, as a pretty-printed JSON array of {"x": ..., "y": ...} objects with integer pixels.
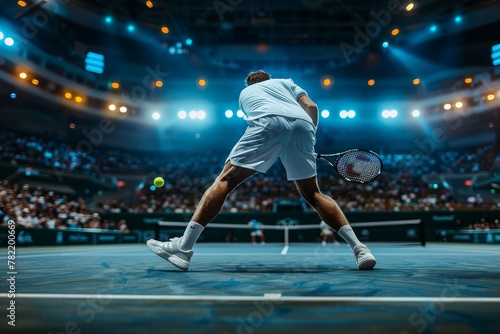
[{"x": 359, "y": 166}]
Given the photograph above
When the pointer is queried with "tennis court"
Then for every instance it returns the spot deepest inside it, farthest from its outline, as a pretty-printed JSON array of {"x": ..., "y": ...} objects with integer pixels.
[{"x": 246, "y": 288}]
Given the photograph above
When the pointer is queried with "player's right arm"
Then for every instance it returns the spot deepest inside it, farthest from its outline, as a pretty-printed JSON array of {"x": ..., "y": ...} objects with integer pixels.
[{"x": 310, "y": 107}]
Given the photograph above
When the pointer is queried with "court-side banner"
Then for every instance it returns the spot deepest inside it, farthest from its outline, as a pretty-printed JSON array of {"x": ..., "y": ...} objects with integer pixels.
[
  {"x": 46, "y": 237},
  {"x": 472, "y": 236}
]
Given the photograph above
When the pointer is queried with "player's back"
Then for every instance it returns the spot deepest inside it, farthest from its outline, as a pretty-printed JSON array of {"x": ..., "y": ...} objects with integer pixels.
[{"x": 273, "y": 97}]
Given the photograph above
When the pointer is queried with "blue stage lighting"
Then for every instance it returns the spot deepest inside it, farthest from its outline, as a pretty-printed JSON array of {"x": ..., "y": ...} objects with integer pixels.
[
  {"x": 433, "y": 28},
  {"x": 458, "y": 19},
  {"x": 152, "y": 188},
  {"x": 131, "y": 28},
  {"x": 189, "y": 41},
  {"x": 178, "y": 45},
  {"x": 13, "y": 95},
  {"x": 108, "y": 19},
  {"x": 385, "y": 45}
]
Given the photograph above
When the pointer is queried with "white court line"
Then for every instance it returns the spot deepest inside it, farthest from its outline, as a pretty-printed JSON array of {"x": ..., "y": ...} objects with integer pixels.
[
  {"x": 285, "y": 250},
  {"x": 266, "y": 297}
]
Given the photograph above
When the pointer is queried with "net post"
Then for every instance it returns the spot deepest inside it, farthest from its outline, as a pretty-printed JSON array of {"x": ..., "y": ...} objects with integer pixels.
[
  {"x": 422, "y": 232},
  {"x": 157, "y": 231},
  {"x": 286, "y": 235}
]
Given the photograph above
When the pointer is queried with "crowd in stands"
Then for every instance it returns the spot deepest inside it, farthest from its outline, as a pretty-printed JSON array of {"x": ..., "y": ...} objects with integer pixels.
[
  {"x": 399, "y": 188},
  {"x": 37, "y": 208}
]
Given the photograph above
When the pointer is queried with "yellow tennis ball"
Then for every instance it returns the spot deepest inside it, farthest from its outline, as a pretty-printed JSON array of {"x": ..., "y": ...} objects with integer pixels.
[{"x": 159, "y": 182}]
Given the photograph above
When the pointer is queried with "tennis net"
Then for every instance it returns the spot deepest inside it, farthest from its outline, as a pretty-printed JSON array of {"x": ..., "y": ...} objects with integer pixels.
[{"x": 397, "y": 231}]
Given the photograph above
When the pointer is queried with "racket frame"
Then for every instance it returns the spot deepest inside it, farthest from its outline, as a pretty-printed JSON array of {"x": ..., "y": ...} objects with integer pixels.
[{"x": 322, "y": 156}]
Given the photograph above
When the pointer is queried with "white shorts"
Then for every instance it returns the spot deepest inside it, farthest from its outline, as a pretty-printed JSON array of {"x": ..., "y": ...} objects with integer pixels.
[
  {"x": 327, "y": 232},
  {"x": 269, "y": 138},
  {"x": 256, "y": 233}
]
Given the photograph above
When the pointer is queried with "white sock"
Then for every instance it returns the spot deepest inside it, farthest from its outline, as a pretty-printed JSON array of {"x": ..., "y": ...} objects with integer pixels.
[
  {"x": 191, "y": 235},
  {"x": 348, "y": 235}
]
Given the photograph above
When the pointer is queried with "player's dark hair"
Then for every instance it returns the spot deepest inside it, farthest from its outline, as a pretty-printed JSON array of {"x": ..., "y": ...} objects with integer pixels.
[{"x": 258, "y": 76}]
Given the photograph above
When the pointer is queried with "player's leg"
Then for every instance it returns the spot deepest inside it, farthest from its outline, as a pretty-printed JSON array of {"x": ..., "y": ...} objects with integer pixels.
[
  {"x": 178, "y": 251},
  {"x": 214, "y": 197},
  {"x": 262, "y": 238},
  {"x": 330, "y": 213}
]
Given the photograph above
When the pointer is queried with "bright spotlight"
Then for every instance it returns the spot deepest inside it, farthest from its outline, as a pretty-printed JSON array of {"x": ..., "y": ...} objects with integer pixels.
[
  {"x": 410, "y": 6},
  {"x": 23, "y": 75},
  {"x": 433, "y": 28},
  {"x": 108, "y": 19},
  {"x": 447, "y": 106},
  {"x": 123, "y": 109},
  {"x": 386, "y": 113},
  {"x": 385, "y": 45},
  {"x": 131, "y": 28},
  {"x": 9, "y": 41},
  {"x": 393, "y": 113},
  {"x": 351, "y": 114},
  {"x": 1, "y": 35},
  {"x": 13, "y": 95},
  {"x": 459, "y": 104},
  {"x": 458, "y": 19},
  {"x": 193, "y": 114},
  {"x": 415, "y": 113},
  {"x": 229, "y": 113},
  {"x": 343, "y": 114},
  {"x": 189, "y": 41},
  {"x": 240, "y": 113},
  {"x": 156, "y": 115},
  {"x": 182, "y": 114},
  {"x": 325, "y": 113},
  {"x": 112, "y": 107},
  {"x": 201, "y": 114}
]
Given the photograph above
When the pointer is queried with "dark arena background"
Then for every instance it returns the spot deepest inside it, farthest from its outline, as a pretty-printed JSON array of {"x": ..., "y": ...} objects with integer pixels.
[{"x": 100, "y": 97}]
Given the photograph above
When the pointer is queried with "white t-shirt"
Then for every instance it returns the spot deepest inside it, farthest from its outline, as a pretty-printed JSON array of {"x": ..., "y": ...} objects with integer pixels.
[{"x": 273, "y": 97}]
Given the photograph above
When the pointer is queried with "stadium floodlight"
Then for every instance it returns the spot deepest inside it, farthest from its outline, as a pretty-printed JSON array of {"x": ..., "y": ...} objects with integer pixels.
[
  {"x": 1, "y": 35},
  {"x": 343, "y": 114},
  {"x": 182, "y": 114},
  {"x": 385, "y": 113},
  {"x": 325, "y": 113},
  {"x": 156, "y": 115},
  {"x": 193, "y": 114},
  {"x": 351, "y": 114},
  {"x": 393, "y": 113},
  {"x": 415, "y": 113},
  {"x": 229, "y": 113},
  {"x": 240, "y": 113},
  {"x": 201, "y": 114},
  {"x": 9, "y": 41}
]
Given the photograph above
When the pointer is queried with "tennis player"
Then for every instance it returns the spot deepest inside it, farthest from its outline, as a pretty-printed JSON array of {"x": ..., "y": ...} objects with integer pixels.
[
  {"x": 282, "y": 122},
  {"x": 256, "y": 231},
  {"x": 327, "y": 232}
]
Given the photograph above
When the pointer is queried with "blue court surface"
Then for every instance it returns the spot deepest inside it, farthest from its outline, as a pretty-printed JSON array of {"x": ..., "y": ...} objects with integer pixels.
[{"x": 245, "y": 288}]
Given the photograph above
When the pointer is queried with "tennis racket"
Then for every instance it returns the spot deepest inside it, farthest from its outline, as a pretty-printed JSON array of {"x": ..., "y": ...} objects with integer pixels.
[{"x": 356, "y": 165}]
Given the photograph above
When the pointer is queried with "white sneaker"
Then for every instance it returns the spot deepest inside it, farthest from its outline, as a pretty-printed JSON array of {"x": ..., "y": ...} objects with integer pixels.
[
  {"x": 170, "y": 251},
  {"x": 364, "y": 257},
  {"x": 323, "y": 243},
  {"x": 336, "y": 243}
]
